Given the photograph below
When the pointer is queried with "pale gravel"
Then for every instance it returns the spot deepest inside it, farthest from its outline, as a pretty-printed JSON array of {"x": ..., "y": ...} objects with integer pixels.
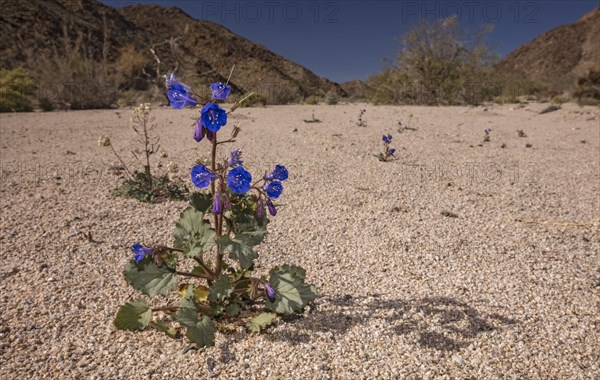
[{"x": 404, "y": 292}]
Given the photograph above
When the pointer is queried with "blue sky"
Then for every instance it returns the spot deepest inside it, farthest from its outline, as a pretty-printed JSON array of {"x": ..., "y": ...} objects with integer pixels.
[{"x": 347, "y": 39}]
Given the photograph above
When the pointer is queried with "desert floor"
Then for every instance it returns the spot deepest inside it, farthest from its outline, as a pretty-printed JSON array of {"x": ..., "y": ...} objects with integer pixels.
[{"x": 509, "y": 288}]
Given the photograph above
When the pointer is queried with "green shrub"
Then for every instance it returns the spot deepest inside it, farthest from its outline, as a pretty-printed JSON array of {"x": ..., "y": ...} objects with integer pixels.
[
  {"x": 588, "y": 88},
  {"x": 15, "y": 87},
  {"x": 254, "y": 100},
  {"x": 312, "y": 100},
  {"x": 435, "y": 66},
  {"x": 331, "y": 98},
  {"x": 150, "y": 189},
  {"x": 46, "y": 105}
]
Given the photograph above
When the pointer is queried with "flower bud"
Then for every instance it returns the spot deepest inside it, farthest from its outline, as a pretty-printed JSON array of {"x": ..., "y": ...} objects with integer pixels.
[
  {"x": 271, "y": 207},
  {"x": 271, "y": 293},
  {"x": 260, "y": 209},
  {"x": 217, "y": 206}
]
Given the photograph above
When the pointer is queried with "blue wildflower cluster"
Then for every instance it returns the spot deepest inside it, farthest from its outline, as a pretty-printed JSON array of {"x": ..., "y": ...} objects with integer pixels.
[
  {"x": 388, "y": 152},
  {"x": 227, "y": 221},
  {"x": 487, "y": 136}
]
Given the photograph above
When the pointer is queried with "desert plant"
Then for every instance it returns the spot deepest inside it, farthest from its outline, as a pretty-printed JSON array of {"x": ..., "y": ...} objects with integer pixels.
[
  {"x": 438, "y": 63},
  {"x": 588, "y": 88},
  {"x": 254, "y": 100},
  {"x": 142, "y": 184},
  {"x": 407, "y": 125},
  {"x": 313, "y": 119},
  {"x": 486, "y": 134},
  {"x": 388, "y": 152},
  {"x": 331, "y": 98},
  {"x": 214, "y": 237},
  {"x": 311, "y": 100},
  {"x": 15, "y": 88},
  {"x": 521, "y": 133},
  {"x": 46, "y": 105},
  {"x": 361, "y": 122}
]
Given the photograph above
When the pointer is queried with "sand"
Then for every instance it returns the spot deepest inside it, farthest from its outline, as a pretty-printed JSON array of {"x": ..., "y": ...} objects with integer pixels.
[{"x": 460, "y": 259}]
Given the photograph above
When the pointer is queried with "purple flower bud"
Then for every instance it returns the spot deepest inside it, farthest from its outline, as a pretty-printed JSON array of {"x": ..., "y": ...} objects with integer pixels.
[
  {"x": 271, "y": 293},
  {"x": 260, "y": 209},
  {"x": 217, "y": 206},
  {"x": 271, "y": 207},
  {"x": 199, "y": 131},
  {"x": 226, "y": 202},
  {"x": 235, "y": 158},
  {"x": 392, "y": 151}
]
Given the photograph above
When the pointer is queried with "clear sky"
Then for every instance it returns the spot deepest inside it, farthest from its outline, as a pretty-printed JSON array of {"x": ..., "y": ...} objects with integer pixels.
[{"x": 349, "y": 39}]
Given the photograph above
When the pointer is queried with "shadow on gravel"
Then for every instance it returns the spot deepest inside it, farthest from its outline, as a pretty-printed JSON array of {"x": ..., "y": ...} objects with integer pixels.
[{"x": 441, "y": 323}]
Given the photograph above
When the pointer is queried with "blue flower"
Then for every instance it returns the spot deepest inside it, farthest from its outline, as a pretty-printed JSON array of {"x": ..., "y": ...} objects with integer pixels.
[
  {"x": 239, "y": 180},
  {"x": 271, "y": 293},
  {"x": 279, "y": 173},
  {"x": 179, "y": 94},
  {"x": 201, "y": 177},
  {"x": 271, "y": 207},
  {"x": 392, "y": 151},
  {"x": 235, "y": 159},
  {"x": 139, "y": 252},
  {"x": 387, "y": 139},
  {"x": 273, "y": 189},
  {"x": 213, "y": 117},
  {"x": 220, "y": 91},
  {"x": 217, "y": 206}
]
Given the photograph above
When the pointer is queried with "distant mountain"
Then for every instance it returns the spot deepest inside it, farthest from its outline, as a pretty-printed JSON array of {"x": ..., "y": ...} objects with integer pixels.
[
  {"x": 558, "y": 56},
  {"x": 37, "y": 32}
]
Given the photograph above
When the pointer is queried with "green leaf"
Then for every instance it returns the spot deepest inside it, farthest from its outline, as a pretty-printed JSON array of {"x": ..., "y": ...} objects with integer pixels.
[
  {"x": 187, "y": 316},
  {"x": 193, "y": 234},
  {"x": 134, "y": 315},
  {"x": 260, "y": 322},
  {"x": 249, "y": 227},
  {"x": 239, "y": 248},
  {"x": 201, "y": 201},
  {"x": 203, "y": 332},
  {"x": 150, "y": 279},
  {"x": 220, "y": 289},
  {"x": 164, "y": 327},
  {"x": 292, "y": 292},
  {"x": 232, "y": 310}
]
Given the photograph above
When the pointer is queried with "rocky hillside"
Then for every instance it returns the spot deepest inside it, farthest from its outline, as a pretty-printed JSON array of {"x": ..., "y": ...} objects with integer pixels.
[
  {"x": 51, "y": 37},
  {"x": 559, "y": 56}
]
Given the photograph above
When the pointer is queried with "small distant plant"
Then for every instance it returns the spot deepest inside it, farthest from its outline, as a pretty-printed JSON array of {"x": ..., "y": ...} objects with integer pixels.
[
  {"x": 388, "y": 152},
  {"x": 406, "y": 126},
  {"x": 142, "y": 185},
  {"x": 254, "y": 100},
  {"x": 15, "y": 87},
  {"x": 210, "y": 265},
  {"x": 487, "y": 136},
  {"x": 521, "y": 133},
  {"x": 361, "y": 122},
  {"x": 312, "y": 100},
  {"x": 46, "y": 105},
  {"x": 313, "y": 119},
  {"x": 331, "y": 98}
]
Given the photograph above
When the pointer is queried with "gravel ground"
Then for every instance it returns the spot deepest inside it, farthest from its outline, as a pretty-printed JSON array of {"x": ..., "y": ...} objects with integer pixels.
[{"x": 509, "y": 288}]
